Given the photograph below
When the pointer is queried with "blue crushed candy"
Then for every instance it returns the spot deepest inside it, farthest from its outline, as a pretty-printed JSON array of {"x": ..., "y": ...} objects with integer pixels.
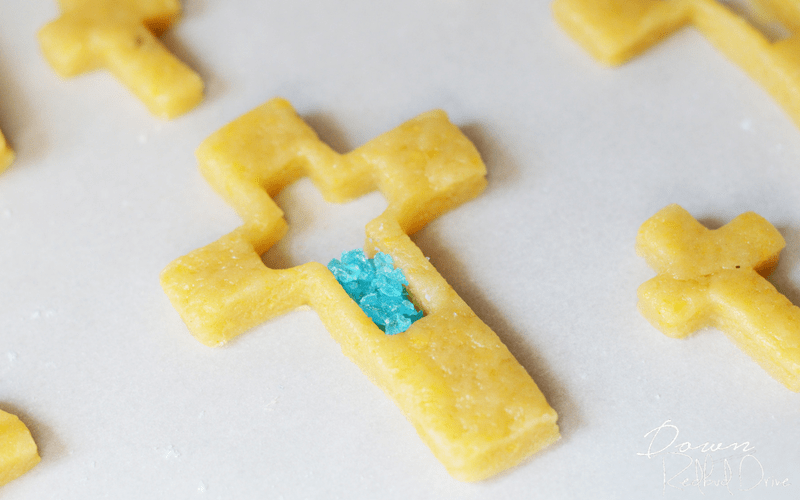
[{"x": 378, "y": 288}]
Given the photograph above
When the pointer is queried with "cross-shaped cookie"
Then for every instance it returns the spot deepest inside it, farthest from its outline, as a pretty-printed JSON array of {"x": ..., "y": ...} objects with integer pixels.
[
  {"x": 470, "y": 400},
  {"x": 122, "y": 37},
  {"x": 715, "y": 278}
]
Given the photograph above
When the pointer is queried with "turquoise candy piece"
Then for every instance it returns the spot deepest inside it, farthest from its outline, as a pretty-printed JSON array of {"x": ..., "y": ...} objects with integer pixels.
[{"x": 378, "y": 288}]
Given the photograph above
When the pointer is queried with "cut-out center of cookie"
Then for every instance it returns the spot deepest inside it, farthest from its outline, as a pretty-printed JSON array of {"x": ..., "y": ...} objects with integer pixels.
[{"x": 318, "y": 230}]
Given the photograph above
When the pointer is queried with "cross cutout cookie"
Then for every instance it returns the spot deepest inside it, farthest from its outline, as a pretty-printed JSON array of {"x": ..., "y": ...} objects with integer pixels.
[
  {"x": 714, "y": 278},
  {"x": 615, "y": 31},
  {"x": 121, "y": 36},
  {"x": 471, "y": 402}
]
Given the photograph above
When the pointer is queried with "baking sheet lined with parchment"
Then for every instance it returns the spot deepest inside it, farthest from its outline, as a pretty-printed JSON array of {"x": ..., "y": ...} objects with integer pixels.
[{"x": 124, "y": 403}]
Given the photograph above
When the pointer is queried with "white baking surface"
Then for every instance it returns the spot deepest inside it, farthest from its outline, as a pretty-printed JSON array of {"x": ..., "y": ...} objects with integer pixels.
[{"x": 125, "y": 404}]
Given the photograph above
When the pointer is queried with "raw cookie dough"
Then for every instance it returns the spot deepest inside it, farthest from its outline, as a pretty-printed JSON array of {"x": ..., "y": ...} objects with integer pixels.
[
  {"x": 716, "y": 278},
  {"x": 18, "y": 452},
  {"x": 472, "y": 403},
  {"x": 6, "y": 154},
  {"x": 614, "y": 31},
  {"x": 122, "y": 37}
]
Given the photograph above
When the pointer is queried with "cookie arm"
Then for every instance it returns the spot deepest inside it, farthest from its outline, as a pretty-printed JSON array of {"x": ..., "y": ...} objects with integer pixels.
[{"x": 18, "y": 452}]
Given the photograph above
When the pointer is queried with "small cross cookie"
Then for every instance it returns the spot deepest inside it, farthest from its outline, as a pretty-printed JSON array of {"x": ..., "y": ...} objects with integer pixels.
[
  {"x": 714, "y": 278},
  {"x": 121, "y": 36},
  {"x": 614, "y": 31},
  {"x": 18, "y": 452},
  {"x": 472, "y": 403}
]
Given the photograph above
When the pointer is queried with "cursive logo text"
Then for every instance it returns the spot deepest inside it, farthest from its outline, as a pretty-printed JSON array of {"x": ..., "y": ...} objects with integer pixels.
[{"x": 687, "y": 465}]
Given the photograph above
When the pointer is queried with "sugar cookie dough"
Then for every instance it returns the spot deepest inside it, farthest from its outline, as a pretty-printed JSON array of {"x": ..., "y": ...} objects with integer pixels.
[
  {"x": 6, "y": 154},
  {"x": 614, "y": 31},
  {"x": 471, "y": 402},
  {"x": 122, "y": 37},
  {"x": 716, "y": 278},
  {"x": 18, "y": 452}
]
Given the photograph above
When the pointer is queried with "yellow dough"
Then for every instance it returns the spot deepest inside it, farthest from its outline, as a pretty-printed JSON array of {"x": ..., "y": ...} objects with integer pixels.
[
  {"x": 18, "y": 453},
  {"x": 614, "y": 31},
  {"x": 121, "y": 36},
  {"x": 472, "y": 403},
  {"x": 715, "y": 278},
  {"x": 6, "y": 154}
]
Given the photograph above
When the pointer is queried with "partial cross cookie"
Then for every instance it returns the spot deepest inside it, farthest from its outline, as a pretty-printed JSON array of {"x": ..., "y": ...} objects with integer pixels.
[
  {"x": 18, "y": 451},
  {"x": 6, "y": 153},
  {"x": 758, "y": 35},
  {"x": 122, "y": 37}
]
